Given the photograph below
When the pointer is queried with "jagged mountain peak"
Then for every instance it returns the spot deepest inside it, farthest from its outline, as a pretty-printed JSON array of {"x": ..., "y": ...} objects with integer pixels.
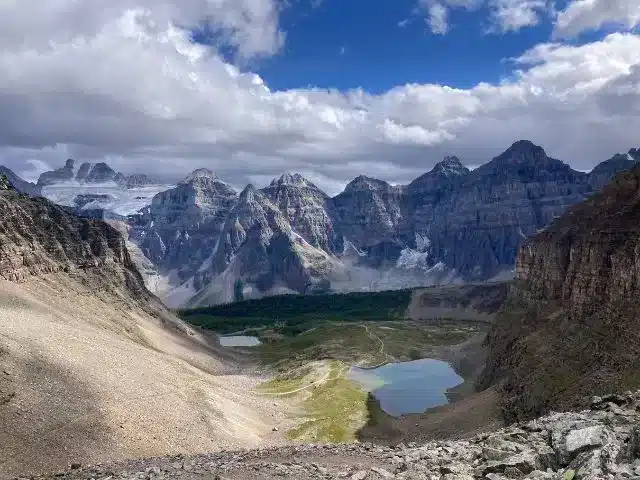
[
  {"x": 200, "y": 173},
  {"x": 522, "y": 151},
  {"x": 290, "y": 179},
  {"x": 363, "y": 182},
  {"x": 450, "y": 163},
  {"x": 450, "y": 166},
  {"x": 248, "y": 193},
  {"x": 634, "y": 154}
]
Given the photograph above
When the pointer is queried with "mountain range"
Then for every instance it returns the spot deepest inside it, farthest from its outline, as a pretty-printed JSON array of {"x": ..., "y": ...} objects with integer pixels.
[
  {"x": 91, "y": 173},
  {"x": 451, "y": 224}
]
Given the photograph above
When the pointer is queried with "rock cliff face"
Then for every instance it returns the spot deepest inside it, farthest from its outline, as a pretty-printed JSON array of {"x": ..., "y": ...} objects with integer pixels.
[
  {"x": 469, "y": 222},
  {"x": 63, "y": 174},
  {"x": 479, "y": 218},
  {"x": 180, "y": 229},
  {"x": 37, "y": 236},
  {"x": 92, "y": 173},
  {"x": 306, "y": 209},
  {"x": 259, "y": 248},
  {"x": 19, "y": 184},
  {"x": 571, "y": 326},
  {"x": 372, "y": 218}
]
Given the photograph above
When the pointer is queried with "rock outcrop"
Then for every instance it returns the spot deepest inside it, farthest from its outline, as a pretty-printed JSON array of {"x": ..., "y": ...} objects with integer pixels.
[
  {"x": 63, "y": 174},
  {"x": 95, "y": 173},
  {"x": 601, "y": 443},
  {"x": 258, "y": 247},
  {"x": 180, "y": 230},
  {"x": 19, "y": 184},
  {"x": 37, "y": 236},
  {"x": 306, "y": 209},
  {"x": 372, "y": 217},
  {"x": 571, "y": 326}
]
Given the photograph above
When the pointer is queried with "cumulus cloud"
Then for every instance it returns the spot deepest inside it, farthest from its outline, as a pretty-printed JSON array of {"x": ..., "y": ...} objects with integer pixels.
[
  {"x": 583, "y": 15},
  {"x": 513, "y": 15},
  {"x": 128, "y": 84}
]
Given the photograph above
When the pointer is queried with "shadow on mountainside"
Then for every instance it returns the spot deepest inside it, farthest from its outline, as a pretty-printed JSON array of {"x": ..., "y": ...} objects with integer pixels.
[{"x": 49, "y": 418}]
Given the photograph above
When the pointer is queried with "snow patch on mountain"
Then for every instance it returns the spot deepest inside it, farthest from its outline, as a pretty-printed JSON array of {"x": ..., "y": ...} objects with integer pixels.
[{"x": 121, "y": 201}]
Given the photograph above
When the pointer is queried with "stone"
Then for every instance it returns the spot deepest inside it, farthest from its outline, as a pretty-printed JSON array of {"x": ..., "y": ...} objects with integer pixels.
[
  {"x": 585, "y": 438},
  {"x": 383, "y": 473},
  {"x": 360, "y": 475}
]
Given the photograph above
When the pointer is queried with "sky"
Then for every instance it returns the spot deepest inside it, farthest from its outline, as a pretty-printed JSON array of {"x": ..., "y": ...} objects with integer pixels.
[{"x": 328, "y": 88}]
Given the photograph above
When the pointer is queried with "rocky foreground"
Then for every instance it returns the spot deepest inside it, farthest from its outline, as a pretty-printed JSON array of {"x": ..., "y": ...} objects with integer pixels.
[{"x": 601, "y": 443}]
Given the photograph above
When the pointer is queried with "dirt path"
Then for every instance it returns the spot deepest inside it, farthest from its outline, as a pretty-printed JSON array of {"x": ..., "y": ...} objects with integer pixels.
[
  {"x": 381, "y": 351},
  {"x": 325, "y": 378}
]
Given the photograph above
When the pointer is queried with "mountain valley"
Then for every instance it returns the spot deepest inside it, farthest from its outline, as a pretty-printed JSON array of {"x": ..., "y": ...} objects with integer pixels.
[{"x": 95, "y": 368}]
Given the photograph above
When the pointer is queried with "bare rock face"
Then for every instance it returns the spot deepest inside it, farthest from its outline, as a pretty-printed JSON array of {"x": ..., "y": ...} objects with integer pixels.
[
  {"x": 306, "y": 208},
  {"x": 100, "y": 173},
  {"x": 63, "y": 174},
  {"x": 92, "y": 173},
  {"x": 39, "y": 237},
  {"x": 481, "y": 219},
  {"x": 180, "y": 229},
  {"x": 259, "y": 248},
  {"x": 572, "y": 324},
  {"x": 605, "y": 171},
  {"x": 19, "y": 184},
  {"x": 83, "y": 171},
  {"x": 372, "y": 216}
]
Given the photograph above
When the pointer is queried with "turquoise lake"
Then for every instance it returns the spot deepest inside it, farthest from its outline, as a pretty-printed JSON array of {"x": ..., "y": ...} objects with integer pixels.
[{"x": 408, "y": 387}]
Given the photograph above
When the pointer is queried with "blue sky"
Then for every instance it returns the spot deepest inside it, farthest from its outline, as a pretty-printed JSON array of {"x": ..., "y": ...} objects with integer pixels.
[{"x": 339, "y": 44}]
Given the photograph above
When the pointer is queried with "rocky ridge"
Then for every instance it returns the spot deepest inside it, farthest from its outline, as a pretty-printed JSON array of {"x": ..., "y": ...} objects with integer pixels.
[
  {"x": 571, "y": 327},
  {"x": 91, "y": 173},
  {"x": 449, "y": 224},
  {"x": 38, "y": 237},
  {"x": 19, "y": 184},
  {"x": 596, "y": 444}
]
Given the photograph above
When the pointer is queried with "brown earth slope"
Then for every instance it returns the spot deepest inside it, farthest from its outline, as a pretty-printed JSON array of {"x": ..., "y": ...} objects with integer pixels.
[
  {"x": 571, "y": 324},
  {"x": 92, "y": 367}
]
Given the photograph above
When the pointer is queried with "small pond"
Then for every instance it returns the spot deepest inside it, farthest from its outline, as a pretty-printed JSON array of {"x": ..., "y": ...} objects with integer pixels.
[
  {"x": 239, "y": 341},
  {"x": 408, "y": 387}
]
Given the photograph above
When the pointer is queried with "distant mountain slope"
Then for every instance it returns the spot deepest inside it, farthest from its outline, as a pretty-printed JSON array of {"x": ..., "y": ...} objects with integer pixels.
[
  {"x": 92, "y": 367},
  {"x": 91, "y": 173},
  {"x": 571, "y": 327},
  {"x": 450, "y": 224},
  {"x": 19, "y": 184}
]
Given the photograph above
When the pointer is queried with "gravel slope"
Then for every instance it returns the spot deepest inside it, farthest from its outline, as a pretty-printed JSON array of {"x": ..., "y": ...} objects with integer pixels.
[{"x": 87, "y": 378}]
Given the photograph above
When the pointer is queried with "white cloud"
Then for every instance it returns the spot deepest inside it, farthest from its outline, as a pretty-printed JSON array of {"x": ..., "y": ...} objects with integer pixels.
[
  {"x": 438, "y": 19},
  {"x": 583, "y": 15},
  {"x": 513, "y": 15},
  {"x": 437, "y": 12},
  {"x": 125, "y": 85}
]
